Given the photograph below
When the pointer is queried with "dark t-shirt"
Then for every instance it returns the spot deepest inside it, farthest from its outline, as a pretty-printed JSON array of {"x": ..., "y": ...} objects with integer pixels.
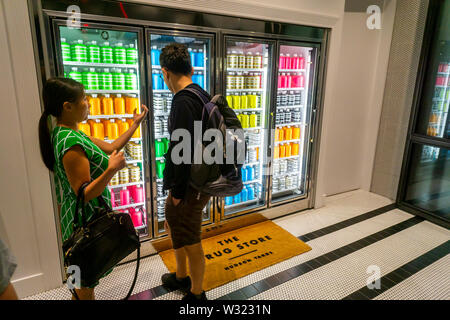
[{"x": 186, "y": 108}]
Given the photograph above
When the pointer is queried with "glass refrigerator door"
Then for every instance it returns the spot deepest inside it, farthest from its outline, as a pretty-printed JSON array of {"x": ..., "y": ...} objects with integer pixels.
[
  {"x": 292, "y": 121},
  {"x": 248, "y": 94},
  {"x": 106, "y": 61},
  {"x": 200, "y": 53}
]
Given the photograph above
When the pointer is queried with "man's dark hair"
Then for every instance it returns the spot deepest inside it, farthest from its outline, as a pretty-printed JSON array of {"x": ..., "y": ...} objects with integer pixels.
[{"x": 175, "y": 57}]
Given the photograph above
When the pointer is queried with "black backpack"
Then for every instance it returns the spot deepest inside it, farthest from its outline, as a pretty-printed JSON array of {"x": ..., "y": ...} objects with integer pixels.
[{"x": 220, "y": 179}]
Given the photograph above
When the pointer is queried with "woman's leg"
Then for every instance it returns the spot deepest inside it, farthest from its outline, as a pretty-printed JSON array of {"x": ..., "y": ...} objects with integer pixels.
[{"x": 85, "y": 294}]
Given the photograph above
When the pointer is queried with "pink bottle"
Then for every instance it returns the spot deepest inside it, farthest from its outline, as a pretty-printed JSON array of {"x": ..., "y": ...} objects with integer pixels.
[
  {"x": 279, "y": 81},
  {"x": 113, "y": 199},
  {"x": 302, "y": 62},
  {"x": 288, "y": 81},
  {"x": 282, "y": 64},
  {"x": 295, "y": 62},
  {"x": 136, "y": 217},
  {"x": 287, "y": 63},
  {"x": 283, "y": 80},
  {"x": 301, "y": 81},
  {"x": 295, "y": 80},
  {"x": 139, "y": 194},
  {"x": 124, "y": 197},
  {"x": 132, "y": 190}
]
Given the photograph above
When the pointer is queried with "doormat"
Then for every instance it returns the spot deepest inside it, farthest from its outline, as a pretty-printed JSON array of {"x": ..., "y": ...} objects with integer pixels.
[{"x": 235, "y": 254}]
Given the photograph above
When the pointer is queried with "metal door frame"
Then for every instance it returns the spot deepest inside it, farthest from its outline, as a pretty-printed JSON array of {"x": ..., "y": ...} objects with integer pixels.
[
  {"x": 313, "y": 109},
  {"x": 211, "y": 36},
  {"x": 239, "y": 37}
]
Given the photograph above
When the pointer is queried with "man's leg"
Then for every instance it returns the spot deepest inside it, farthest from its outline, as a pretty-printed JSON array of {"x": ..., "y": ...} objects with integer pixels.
[
  {"x": 9, "y": 293},
  {"x": 180, "y": 257},
  {"x": 196, "y": 266},
  {"x": 85, "y": 294}
]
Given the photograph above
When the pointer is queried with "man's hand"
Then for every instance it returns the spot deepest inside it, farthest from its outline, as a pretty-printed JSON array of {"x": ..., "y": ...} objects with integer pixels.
[{"x": 175, "y": 201}]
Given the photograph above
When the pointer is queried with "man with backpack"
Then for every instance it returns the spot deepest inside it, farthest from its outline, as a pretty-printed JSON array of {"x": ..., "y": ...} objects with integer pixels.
[{"x": 184, "y": 205}]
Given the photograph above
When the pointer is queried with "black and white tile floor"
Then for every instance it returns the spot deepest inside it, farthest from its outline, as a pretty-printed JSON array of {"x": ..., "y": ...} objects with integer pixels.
[{"x": 351, "y": 233}]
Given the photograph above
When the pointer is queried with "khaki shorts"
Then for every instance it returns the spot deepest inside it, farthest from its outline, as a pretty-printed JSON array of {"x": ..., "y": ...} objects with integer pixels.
[{"x": 185, "y": 219}]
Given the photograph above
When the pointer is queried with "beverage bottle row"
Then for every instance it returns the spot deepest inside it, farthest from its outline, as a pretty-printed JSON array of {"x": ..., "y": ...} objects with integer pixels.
[
  {"x": 134, "y": 150},
  {"x": 248, "y": 193},
  {"x": 136, "y": 215},
  {"x": 286, "y": 116},
  {"x": 442, "y": 81},
  {"x": 285, "y": 150},
  {"x": 160, "y": 165},
  {"x": 252, "y": 138},
  {"x": 244, "y": 101},
  {"x": 106, "y": 105},
  {"x": 294, "y": 63},
  {"x": 244, "y": 80},
  {"x": 442, "y": 93},
  {"x": 239, "y": 60},
  {"x": 249, "y": 173},
  {"x": 129, "y": 174},
  {"x": 106, "y": 79},
  {"x": 158, "y": 81},
  {"x": 197, "y": 56},
  {"x": 285, "y": 183},
  {"x": 91, "y": 52},
  {"x": 249, "y": 120},
  {"x": 104, "y": 128},
  {"x": 252, "y": 155},
  {"x": 161, "y": 147},
  {"x": 162, "y": 103},
  {"x": 287, "y": 133},
  {"x": 161, "y": 193},
  {"x": 282, "y": 167},
  {"x": 294, "y": 80},
  {"x": 160, "y": 124},
  {"x": 444, "y": 67},
  {"x": 289, "y": 98},
  {"x": 199, "y": 78}
]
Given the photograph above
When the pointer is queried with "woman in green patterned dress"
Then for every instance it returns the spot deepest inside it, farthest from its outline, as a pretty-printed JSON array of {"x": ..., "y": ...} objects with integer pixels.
[{"x": 76, "y": 158}]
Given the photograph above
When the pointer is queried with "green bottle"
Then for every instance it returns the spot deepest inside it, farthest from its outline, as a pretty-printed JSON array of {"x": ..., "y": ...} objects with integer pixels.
[
  {"x": 120, "y": 55},
  {"x": 106, "y": 53},
  {"x": 76, "y": 75},
  {"x": 65, "y": 50},
  {"x": 131, "y": 80},
  {"x": 118, "y": 80},
  {"x": 132, "y": 55},
  {"x": 79, "y": 51},
  {"x": 91, "y": 79},
  {"x": 93, "y": 52},
  {"x": 106, "y": 80}
]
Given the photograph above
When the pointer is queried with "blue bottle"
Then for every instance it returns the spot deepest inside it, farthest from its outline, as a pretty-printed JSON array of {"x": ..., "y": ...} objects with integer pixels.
[
  {"x": 250, "y": 173},
  {"x": 244, "y": 195},
  {"x": 155, "y": 57},
  {"x": 228, "y": 201},
  {"x": 161, "y": 82},
  {"x": 165, "y": 87},
  {"x": 199, "y": 58},
  {"x": 244, "y": 174},
  {"x": 237, "y": 198},
  {"x": 250, "y": 192},
  {"x": 192, "y": 55},
  {"x": 201, "y": 80},
  {"x": 155, "y": 80}
]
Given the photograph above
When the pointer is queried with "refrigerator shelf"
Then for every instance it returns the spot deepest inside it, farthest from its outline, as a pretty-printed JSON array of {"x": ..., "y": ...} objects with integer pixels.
[
  {"x": 109, "y": 116},
  {"x": 162, "y": 136},
  {"x": 287, "y": 141},
  {"x": 161, "y": 114},
  {"x": 113, "y": 91},
  {"x": 161, "y": 198},
  {"x": 125, "y": 185},
  {"x": 251, "y": 164},
  {"x": 436, "y": 86},
  {"x": 291, "y": 89},
  {"x": 252, "y": 181},
  {"x": 131, "y": 140},
  {"x": 291, "y": 124},
  {"x": 130, "y": 206},
  {"x": 284, "y": 190},
  {"x": 287, "y": 158},
  {"x": 246, "y": 69},
  {"x": 99, "y": 65},
  {"x": 248, "y": 110},
  {"x": 254, "y": 146},
  {"x": 160, "y": 158},
  {"x": 253, "y": 128},
  {"x": 444, "y": 73},
  {"x": 141, "y": 227},
  {"x": 292, "y": 70},
  {"x": 240, "y": 203},
  {"x": 161, "y": 91},
  {"x": 289, "y": 107},
  {"x": 244, "y": 90},
  {"x": 134, "y": 161},
  {"x": 285, "y": 174},
  {"x": 195, "y": 68}
]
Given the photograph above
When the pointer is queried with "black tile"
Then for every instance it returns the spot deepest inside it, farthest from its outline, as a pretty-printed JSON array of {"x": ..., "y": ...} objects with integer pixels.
[
  {"x": 388, "y": 282},
  {"x": 355, "y": 246},
  {"x": 394, "y": 277},
  {"x": 314, "y": 263},
  {"x": 376, "y": 237},
  {"x": 273, "y": 281},
  {"x": 404, "y": 274},
  {"x": 225, "y": 297},
  {"x": 333, "y": 256},
  {"x": 236, "y": 295},
  {"x": 304, "y": 268},
  {"x": 294, "y": 272},
  {"x": 410, "y": 268},
  {"x": 427, "y": 259},
  {"x": 262, "y": 285},
  {"x": 368, "y": 293},
  {"x": 159, "y": 291},
  {"x": 384, "y": 234},
  {"x": 365, "y": 242},
  {"x": 346, "y": 250},
  {"x": 418, "y": 263},
  {"x": 320, "y": 232},
  {"x": 284, "y": 276},
  {"x": 303, "y": 238},
  {"x": 322, "y": 260},
  {"x": 356, "y": 296},
  {"x": 249, "y": 291}
]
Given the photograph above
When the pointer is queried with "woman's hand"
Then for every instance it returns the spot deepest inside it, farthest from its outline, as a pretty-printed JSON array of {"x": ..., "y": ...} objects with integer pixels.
[
  {"x": 137, "y": 118},
  {"x": 116, "y": 161}
]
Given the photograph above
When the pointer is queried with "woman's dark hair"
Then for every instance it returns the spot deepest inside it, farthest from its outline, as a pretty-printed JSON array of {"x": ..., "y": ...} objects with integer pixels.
[
  {"x": 56, "y": 91},
  {"x": 175, "y": 57}
]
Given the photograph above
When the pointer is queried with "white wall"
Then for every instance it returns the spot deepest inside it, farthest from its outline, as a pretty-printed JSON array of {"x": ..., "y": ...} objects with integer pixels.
[{"x": 25, "y": 193}]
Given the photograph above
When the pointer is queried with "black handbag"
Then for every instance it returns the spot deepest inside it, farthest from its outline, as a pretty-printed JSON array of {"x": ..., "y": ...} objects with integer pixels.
[{"x": 97, "y": 246}]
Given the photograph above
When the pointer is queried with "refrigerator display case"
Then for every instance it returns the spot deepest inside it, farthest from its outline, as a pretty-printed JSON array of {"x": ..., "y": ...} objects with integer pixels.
[
  {"x": 248, "y": 72},
  {"x": 199, "y": 48},
  {"x": 291, "y": 134},
  {"x": 106, "y": 60}
]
